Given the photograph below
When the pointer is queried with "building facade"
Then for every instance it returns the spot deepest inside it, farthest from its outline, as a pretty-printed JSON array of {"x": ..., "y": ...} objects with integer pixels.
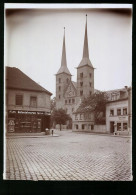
[
  {"x": 69, "y": 94},
  {"x": 119, "y": 112},
  {"x": 27, "y": 103}
]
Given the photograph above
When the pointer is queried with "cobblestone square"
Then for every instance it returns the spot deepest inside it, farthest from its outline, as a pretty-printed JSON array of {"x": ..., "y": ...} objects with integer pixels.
[{"x": 69, "y": 156}]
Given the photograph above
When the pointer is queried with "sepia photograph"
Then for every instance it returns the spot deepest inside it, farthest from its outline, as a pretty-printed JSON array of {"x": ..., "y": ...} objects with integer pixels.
[{"x": 68, "y": 92}]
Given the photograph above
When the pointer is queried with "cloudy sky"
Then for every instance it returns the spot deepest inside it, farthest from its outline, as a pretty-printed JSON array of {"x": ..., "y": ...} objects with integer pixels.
[{"x": 34, "y": 37}]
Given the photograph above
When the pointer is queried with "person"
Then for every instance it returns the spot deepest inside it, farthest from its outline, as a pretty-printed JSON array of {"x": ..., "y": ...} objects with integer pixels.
[{"x": 52, "y": 132}]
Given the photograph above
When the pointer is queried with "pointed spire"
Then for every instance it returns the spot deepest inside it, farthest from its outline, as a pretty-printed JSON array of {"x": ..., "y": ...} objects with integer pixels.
[
  {"x": 85, "y": 50},
  {"x": 85, "y": 59},
  {"x": 63, "y": 67},
  {"x": 63, "y": 59}
]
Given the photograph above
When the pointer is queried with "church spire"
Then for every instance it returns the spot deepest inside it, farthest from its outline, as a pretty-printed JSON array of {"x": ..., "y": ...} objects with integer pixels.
[
  {"x": 63, "y": 68},
  {"x": 85, "y": 50},
  {"x": 85, "y": 59}
]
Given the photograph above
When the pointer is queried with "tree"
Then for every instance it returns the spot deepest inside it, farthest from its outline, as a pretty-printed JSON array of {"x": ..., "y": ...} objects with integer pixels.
[
  {"x": 96, "y": 103},
  {"x": 53, "y": 104},
  {"x": 59, "y": 117}
]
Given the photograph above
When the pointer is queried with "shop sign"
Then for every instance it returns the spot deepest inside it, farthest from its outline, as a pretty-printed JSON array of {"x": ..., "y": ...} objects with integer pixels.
[
  {"x": 26, "y": 112},
  {"x": 122, "y": 118}
]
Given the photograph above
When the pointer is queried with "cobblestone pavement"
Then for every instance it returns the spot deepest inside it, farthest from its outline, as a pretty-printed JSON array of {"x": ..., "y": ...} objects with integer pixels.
[{"x": 70, "y": 156}]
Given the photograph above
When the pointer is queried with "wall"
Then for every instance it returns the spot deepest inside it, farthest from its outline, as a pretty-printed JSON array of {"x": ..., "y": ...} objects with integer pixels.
[
  {"x": 43, "y": 100},
  {"x": 100, "y": 128}
]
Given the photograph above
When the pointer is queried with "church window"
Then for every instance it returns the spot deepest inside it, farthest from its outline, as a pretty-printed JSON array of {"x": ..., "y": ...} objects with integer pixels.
[
  {"x": 59, "y": 88},
  {"x": 59, "y": 80},
  {"x": 90, "y": 84},
  {"x": 81, "y": 92},
  {"x": 65, "y": 101},
  {"x": 81, "y": 75},
  {"x": 90, "y": 75},
  {"x": 73, "y": 100},
  {"x": 81, "y": 84}
]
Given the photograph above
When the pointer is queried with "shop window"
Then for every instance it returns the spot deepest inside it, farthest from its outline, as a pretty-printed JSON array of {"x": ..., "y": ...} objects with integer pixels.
[
  {"x": 118, "y": 111},
  {"x": 111, "y": 112},
  {"x": 81, "y": 84},
  {"x": 33, "y": 101},
  {"x": 59, "y": 80},
  {"x": 124, "y": 111},
  {"x": 118, "y": 126},
  {"x": 81, "y": 92},
  {"x": 92, "y": 127},
  {"x": 59, "y": 88},
  {"x": 73, "y": 100},
  {"x": 65, "y": 101},
  {"x": 125, "y": 126},
  {"x": 81, "y": 75},
  {"x": 19, "y": 100}
]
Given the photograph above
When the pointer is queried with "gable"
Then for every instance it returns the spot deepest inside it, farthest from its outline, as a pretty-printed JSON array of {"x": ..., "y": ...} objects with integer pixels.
[{"x": 70, "y": 90}]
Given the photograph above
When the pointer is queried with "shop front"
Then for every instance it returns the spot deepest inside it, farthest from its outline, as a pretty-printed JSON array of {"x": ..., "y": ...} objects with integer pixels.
[{"x": 21, "y": 121}]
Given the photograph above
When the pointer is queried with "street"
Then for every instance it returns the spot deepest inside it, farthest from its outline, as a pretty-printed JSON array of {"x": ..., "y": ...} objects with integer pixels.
[{"x": 68, "y": 156}]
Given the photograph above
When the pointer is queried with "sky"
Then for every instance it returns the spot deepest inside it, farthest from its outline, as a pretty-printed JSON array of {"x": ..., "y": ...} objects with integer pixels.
[{"x": 34, "y": 37}]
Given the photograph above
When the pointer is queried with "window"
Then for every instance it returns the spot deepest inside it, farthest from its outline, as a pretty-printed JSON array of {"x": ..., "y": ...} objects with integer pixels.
[
  {"x": 81, "y": 116},
  {"x": 19, "y": 100},
  {"x": 89, "y": 116},
  {"x": 59, "y": 80},
  {"x": 92, "y": 127},
  {"x": 59, "y": 88},
  {"x": 69, "y": 100},
  {"x": 59, "y": 96},
  {"x": 33, "y": 101},
  {"x": 114, "y": 96},
  {"x": 73, "y": 100},
  {"x": 90, "y": 84},
  {"x": 65, "y": 101},
  {"x": 81, "y": 84},
  {"x": 90, "y": 92},
  {"x": 124, "y": 111},
  {"x": 125, "y": 126},
  {"x": 118, "y": 111},
  {"x": 76, "y": 126},
  {"x": 76, "y": 118},
  {"x": 72, "y": 109},
  {"x": 83, "y": 126},
  {"x": 81, "y": 75},
  {"x": 67, "y": 80},
  {"x": 118, "y": 126},
  {"x": 90, "y": 75},
  {"x": 81, "y": 92},
  {"x": 111, "y": 112}
]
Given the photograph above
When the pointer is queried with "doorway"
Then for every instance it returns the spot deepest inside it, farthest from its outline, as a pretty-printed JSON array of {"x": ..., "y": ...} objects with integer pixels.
[{"x": 111, "y": 126}]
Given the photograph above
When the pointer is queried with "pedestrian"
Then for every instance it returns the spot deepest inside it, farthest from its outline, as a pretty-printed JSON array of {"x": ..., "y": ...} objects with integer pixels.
[{"x": 52, "y": 132}]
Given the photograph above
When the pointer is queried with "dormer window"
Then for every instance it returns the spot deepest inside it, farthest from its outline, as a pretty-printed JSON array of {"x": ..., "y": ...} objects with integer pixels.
[{"x": 81, "y": 75}]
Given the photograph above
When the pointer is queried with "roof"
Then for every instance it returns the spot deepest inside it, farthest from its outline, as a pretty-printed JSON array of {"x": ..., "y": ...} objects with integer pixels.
[
  {"x": 16, "y": 79},
  {"x": 82, "y": 109}
]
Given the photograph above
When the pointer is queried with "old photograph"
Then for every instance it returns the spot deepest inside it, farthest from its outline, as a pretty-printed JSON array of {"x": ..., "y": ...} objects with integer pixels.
[{"x": 68, "y": 92}]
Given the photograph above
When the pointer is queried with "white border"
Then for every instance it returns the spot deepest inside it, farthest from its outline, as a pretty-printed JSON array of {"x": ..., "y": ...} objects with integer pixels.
[{"x": 60, "y": 6}]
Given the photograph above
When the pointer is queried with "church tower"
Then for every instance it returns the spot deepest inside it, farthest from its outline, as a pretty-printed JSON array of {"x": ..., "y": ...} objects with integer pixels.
[
  {"x": 85, "y": 71},
  {"x": 63, "y": 77}
]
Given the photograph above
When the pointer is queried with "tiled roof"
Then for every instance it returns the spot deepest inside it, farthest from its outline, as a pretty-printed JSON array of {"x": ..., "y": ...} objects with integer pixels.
[{"x": 16, "y": 79}]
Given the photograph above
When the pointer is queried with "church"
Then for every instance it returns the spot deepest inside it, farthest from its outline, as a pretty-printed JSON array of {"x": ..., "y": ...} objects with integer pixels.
[{"x": 69, "y": 94}]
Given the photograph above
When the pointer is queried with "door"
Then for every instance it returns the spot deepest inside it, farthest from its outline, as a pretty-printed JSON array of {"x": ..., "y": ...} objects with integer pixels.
[{"x": 112, "y": 127}]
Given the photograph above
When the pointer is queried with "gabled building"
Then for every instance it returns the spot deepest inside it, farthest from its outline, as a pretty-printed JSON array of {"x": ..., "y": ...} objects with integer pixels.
[
  {"x": 27, "y": 103},
  {"x": 69, "y": 93}
]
